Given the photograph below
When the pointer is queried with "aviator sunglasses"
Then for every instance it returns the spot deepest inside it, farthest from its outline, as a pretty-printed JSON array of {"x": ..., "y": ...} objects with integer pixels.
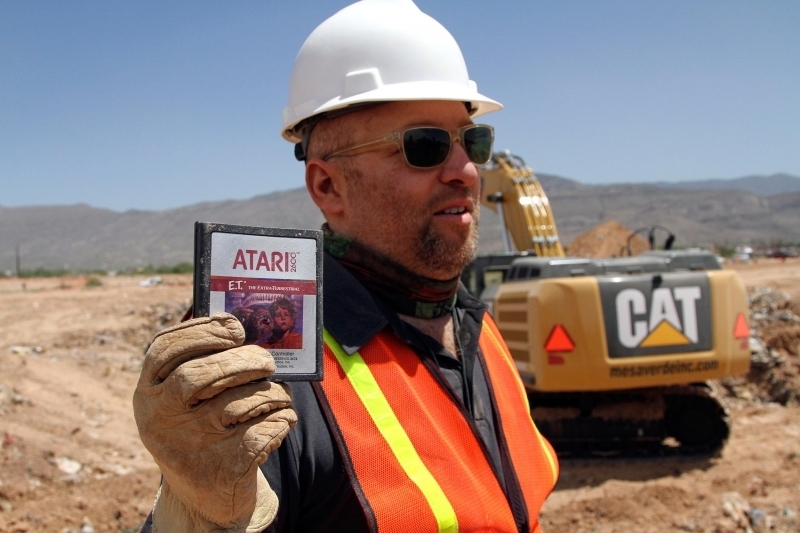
[{"x": 429, "y": 146}]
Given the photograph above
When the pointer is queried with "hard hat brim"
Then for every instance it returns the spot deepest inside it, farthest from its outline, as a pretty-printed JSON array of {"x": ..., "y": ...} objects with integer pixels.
[{"x": 398, "y": 92}]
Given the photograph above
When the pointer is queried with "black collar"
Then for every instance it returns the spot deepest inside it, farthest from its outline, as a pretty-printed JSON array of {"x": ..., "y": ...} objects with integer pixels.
[
  {"x": 353, "y": 315},
  {"x": 350, "y": 313}
]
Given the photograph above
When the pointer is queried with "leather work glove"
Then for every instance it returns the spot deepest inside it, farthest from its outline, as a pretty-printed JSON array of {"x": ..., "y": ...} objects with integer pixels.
[{"x": 209, "y": 426}]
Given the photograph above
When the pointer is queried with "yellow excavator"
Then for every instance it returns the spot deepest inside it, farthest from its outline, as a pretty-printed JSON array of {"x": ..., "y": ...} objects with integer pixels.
[{"x": 616, "y": 353}]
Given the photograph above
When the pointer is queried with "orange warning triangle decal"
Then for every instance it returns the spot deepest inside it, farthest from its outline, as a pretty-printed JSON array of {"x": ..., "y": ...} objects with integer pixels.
[
  {"x": 559, "y": 340},
  {"x": 664, "y": 335},
  {"x": 741, "y": 330}
]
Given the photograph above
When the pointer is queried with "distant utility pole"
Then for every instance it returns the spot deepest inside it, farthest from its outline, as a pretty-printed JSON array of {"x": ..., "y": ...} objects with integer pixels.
[{"x": 19, "y": 270}]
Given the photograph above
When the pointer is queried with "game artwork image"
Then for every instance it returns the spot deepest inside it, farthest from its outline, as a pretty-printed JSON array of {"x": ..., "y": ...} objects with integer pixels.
[{"x": 272, "y": 321}]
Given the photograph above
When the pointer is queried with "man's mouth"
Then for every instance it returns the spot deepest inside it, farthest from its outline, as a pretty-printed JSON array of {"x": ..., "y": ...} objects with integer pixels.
[
  {"x": 460, "y": 215},
  {"x": 454, "y": 211}
]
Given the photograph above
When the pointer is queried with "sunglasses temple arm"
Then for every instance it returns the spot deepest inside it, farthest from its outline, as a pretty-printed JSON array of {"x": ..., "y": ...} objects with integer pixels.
[{"x": 389, "y": 138}]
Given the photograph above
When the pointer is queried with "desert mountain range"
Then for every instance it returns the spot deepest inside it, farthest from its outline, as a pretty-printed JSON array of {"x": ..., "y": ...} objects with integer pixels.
[{"x": 701, "y": 213}]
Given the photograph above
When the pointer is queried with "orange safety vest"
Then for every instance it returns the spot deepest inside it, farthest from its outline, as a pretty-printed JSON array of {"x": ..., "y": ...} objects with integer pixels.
[{"x": 414, "y": 460}]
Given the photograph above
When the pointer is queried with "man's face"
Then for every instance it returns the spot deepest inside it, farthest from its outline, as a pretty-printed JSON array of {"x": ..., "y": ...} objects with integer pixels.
[
  {"x": 424, "y": 219},
  {"x": 283, "y": 319}
]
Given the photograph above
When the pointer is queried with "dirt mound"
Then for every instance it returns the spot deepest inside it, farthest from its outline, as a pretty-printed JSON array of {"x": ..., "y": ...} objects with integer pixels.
[
  {"x": 775, "y": 346},
  {"x": 609, "y": 239}
]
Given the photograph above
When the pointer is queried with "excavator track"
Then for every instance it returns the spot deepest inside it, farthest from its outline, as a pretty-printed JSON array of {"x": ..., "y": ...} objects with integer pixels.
[{"x": 683, "y": 420}]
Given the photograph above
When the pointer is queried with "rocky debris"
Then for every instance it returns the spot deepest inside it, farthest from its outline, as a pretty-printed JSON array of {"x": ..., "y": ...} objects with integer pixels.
[
  {"x": 152, "y": 319},
  {"x": 775, "y": 319},
  {"x": 156, "y": 318},
  {"x": 609, "y": 239},
  {"x": 736, "y": 507},
  {"x": 67, "y": 465},
  {"x": 5, "y": 399},
  {"x": 164, "y": 315},
  {"x": 113, "y": 468},
  {"x": 10, "y": 397},
  {"x": 85, "y": 527},
  {"x": 774, "y": 345},
  {"x": 151, "y": 282},
  {"x": 25, "y": 350},
  {"x": 746, "y": 518}
]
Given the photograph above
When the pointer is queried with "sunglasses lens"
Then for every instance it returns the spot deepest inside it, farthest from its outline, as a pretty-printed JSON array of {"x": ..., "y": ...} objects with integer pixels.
[
  {"x": 426, "y": 147},
  {"x": 478, "y": 144},
  {"x": 429, "y": 147}
]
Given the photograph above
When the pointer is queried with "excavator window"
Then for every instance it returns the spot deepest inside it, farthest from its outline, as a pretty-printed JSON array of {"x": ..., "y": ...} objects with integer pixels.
[{"x": 492, "y": 277}]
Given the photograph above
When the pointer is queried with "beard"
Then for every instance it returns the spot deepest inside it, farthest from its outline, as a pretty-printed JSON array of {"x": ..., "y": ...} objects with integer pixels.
[{"x": 443, "y": 256}]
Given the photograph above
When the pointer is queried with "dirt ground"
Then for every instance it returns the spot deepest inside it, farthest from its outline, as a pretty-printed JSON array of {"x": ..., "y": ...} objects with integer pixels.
[
  {"x": 70, "y": 355},
  {"x": 71, "y": 460}
]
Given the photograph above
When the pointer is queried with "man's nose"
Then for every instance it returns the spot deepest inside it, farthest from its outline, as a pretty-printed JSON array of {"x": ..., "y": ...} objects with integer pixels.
[{"x": 458, "y": 167}]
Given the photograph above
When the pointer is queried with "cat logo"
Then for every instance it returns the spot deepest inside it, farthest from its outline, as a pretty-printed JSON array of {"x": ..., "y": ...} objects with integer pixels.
[
  {"x": 643, "y": 317},
  {"x": 665, "y": 326}
]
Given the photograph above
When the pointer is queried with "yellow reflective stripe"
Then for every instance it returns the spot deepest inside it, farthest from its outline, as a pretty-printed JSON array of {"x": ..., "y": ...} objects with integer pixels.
[
  {"x": 368, "y": 390},
  {"x": 509, "y": 362}
]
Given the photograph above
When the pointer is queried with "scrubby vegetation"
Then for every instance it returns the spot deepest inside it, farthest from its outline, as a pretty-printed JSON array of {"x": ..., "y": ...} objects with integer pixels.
[{"x": 150, "y": 270}]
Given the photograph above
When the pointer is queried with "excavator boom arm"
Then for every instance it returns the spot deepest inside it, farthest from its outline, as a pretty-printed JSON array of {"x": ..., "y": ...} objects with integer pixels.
[{"x": 511, "y": 188}]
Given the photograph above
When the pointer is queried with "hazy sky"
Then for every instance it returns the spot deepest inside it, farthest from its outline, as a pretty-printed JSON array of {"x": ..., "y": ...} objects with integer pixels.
[{"x": 157, "y": 104}]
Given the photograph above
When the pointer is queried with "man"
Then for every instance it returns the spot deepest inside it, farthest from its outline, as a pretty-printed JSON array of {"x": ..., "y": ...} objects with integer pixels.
[{"x": 421, "y": 422}]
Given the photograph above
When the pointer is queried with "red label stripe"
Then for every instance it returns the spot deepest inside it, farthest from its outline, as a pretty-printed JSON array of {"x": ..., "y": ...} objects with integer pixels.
[{"x": 249, "y": 285}]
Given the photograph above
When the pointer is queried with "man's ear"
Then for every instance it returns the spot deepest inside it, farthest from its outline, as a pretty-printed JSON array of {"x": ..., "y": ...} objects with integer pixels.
[{"x": 326, "y": 185}]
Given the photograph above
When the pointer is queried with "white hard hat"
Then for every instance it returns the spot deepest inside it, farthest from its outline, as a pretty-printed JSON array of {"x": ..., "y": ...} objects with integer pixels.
[{"x": 378, "y": 51}]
